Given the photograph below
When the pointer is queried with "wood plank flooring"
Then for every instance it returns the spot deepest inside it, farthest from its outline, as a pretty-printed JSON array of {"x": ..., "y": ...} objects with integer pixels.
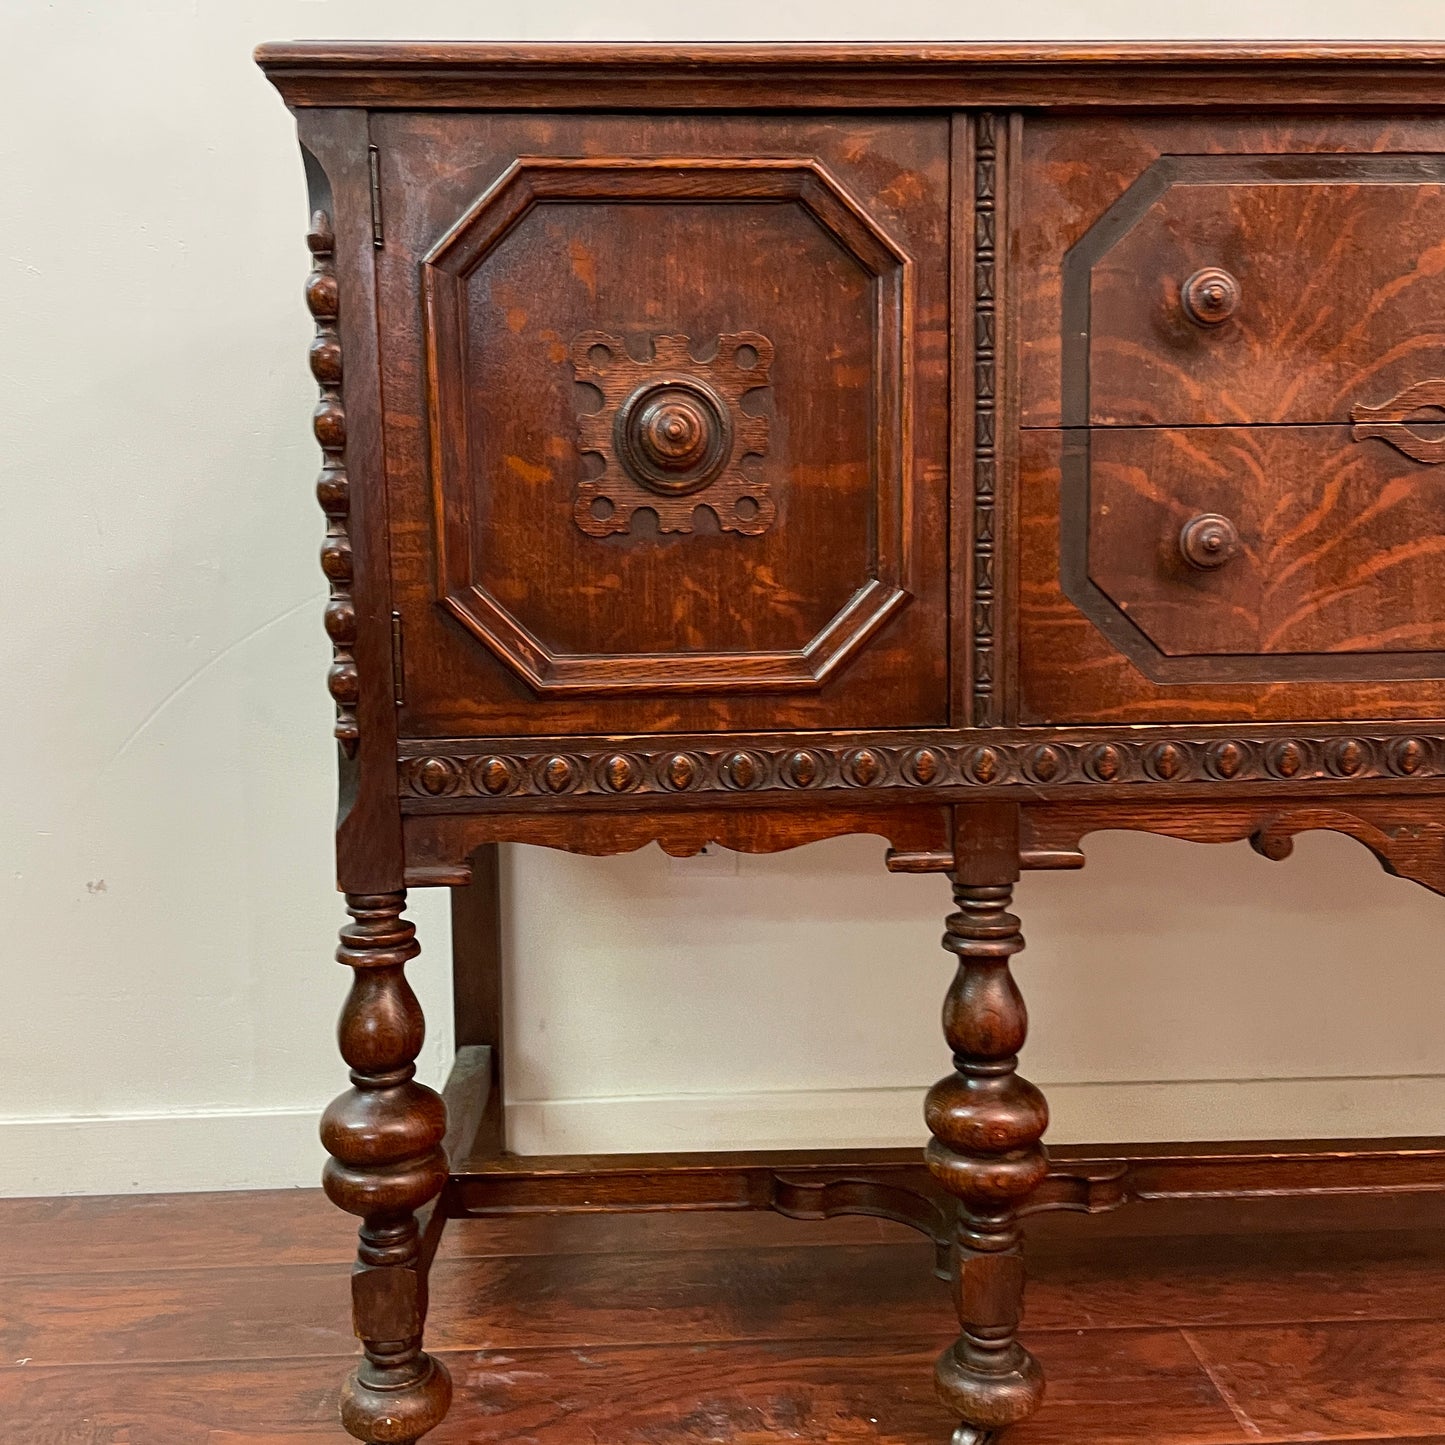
[{"x": 222, "y": 1320}]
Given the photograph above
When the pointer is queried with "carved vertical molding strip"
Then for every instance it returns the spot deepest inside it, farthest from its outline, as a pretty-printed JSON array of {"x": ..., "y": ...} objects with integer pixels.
[
  {"x": 384, "y": 1135},
  {"x": 333, "y": 488},
  {"x": 985, "y": 399}
]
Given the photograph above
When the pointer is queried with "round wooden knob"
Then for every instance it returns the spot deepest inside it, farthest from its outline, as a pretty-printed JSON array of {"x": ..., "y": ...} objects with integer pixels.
[
  {"x": 673, "y": 436},
  {"x": 1208, "y": 541},
  {"x": 673, "y": 432},
  {"x": 1210, "y": 296}
]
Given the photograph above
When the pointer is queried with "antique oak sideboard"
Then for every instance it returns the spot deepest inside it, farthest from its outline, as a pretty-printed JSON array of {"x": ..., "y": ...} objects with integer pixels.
[{"x": 973, "y": 446}]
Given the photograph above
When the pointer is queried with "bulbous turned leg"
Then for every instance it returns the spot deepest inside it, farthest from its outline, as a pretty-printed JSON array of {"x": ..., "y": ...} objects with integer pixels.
[
  {"x": 384, "y": 1137},
  {"x": 986, "y": 1124}
]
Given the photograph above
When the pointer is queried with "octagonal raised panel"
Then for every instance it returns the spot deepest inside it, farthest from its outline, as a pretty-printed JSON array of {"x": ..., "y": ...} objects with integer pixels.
[{"x": 668, "y": 428}]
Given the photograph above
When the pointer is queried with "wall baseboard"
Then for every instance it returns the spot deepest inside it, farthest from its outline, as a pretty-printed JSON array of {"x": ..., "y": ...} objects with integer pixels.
[
  {"x": 161, "y": 1153},
  {"x": 278, "y": 1148},
  {"x": 1089, "y": 1113}
]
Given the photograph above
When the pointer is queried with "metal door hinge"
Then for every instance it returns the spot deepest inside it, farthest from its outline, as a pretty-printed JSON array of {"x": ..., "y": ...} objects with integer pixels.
[
  {"x": 374, "y": 161},
  {"x": 398, "y": 678}
]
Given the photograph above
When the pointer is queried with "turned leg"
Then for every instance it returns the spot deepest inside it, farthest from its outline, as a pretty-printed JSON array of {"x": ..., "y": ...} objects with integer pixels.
[
  {"x": 986, "y": 1124},
  {"x": 384, "y": 1136}
]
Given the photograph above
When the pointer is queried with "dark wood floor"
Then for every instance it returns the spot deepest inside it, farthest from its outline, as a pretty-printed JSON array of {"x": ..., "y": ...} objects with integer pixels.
[{"x": 222, "y": 1319}]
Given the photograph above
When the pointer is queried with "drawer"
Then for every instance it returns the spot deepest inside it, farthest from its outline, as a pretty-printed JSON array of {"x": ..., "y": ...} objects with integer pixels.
[
  {"x": 1271, "y": 543},
  {"x": 666, "y": 419},
  {"x": 1244, "y": 492},
  {"x": 1287, "y": 289}
]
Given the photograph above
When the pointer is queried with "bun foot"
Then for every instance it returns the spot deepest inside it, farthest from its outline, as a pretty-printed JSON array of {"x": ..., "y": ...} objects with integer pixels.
[
  {"x": 384, "y": 1136},
  {"x": 395, "y": 1414},
  {"x": 988, "y": 1402}
]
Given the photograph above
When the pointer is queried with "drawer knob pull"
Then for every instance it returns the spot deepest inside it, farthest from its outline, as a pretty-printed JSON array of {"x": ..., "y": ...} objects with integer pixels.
[
  {"x": 674, "y": 436},
  {"x": 1210, "y": 296},
  {"x": 1208, "y": 541}
]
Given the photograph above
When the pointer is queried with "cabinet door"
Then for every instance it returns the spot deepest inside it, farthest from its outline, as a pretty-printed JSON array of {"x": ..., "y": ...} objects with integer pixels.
[
  {"x": 1235, "y": 438},
  {"x": 666, "y": 410}
]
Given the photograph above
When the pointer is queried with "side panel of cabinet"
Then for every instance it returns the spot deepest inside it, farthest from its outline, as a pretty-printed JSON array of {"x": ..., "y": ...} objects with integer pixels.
[
  {"x": 666, "y": 420},
  {"x": 1232, "y": 381}
]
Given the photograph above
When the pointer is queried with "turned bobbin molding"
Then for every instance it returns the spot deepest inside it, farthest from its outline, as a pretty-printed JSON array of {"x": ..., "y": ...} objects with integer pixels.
[{"x": 976, "y": 446}]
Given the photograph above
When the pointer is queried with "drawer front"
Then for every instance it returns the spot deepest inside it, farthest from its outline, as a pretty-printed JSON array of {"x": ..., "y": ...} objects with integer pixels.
[
  {"x": 1245, "y": 385},
  {"x": 1260, "y": 545},
  {"x": 666, "y": 420},
  {"x": 1227, "y": 290}
]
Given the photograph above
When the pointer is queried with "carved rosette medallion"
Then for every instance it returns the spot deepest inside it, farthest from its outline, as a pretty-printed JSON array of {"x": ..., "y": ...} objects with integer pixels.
[{"x": 672, "y": 434}]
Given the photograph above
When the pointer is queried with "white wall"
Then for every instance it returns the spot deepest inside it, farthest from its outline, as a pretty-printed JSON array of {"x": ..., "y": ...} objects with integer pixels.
[{"x": 168, "y": 917}]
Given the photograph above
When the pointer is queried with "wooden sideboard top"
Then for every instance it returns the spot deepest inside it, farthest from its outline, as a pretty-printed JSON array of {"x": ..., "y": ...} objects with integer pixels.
[{"x": 446, "y": 74}]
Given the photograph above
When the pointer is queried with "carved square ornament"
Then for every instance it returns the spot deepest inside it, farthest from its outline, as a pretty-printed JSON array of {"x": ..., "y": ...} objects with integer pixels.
[{"x": 672, "y": 433}]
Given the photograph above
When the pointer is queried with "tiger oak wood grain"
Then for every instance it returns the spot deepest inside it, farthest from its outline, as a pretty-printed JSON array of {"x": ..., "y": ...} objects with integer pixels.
[
  {"x": 1287, "y": 365},
  {"x": 1339, "y": 548},
  {"x": 1339, "y": 272},
  {"x": 849, "y": 501},
  {"x": 1069, "y": 672}
]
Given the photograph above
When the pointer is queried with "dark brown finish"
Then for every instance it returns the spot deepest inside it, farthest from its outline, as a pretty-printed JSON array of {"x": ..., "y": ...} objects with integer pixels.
[
  {"x": 384, "y": 1136},
  {"x": 474, "y": 1102},
  {"x": 1213, "y": 274},
  {"x": 975, "y": 446},
  {"x": 1302, "y": 1319},
  {"x": 477, "y": 953},
  {"x": 986, "y": 1122},
  {"x": 1332, "y": 77},
  {"x": 1208, "y": 540},
  {"x": 1357, "y": 235},
  {"x": 984, "y": 272},
  {"x": 1209, "y": 296},
  {"x": 1075, "y": 672},
  {"x": 1407, "y": 835},
  {"x": 369, "y": 850},
  {"x": 439, "y": 844},
  {"x": 1327, "y": 579},
  {"x": 1405, "y": 421},
  {"x": 812, "y": 1184},
  {"x": 1081, "y": 1179},
  {"x": 1388, "y": 1184},
  {"x": 333, "y": 490},
  {"x": 673, "y": 425},
  {"x": 519, "y": 253},
  {"x": 453, "y": 776}
]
